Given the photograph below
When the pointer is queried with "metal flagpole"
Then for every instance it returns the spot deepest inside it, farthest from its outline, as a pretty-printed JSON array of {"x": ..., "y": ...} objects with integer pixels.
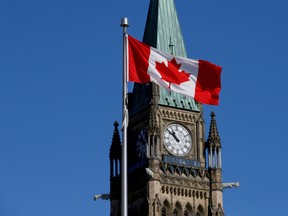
[{"x": 124, "y": 173}]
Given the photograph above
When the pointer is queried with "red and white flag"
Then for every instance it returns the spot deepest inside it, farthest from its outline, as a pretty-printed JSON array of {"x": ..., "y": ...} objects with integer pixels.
[{"x": 194, "y": 78}]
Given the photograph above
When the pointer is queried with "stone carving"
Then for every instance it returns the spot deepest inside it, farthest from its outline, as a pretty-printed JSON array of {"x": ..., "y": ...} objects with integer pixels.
[
  {"x": 149, "y": 172},
  {"x": 101, "y": 196},
  {"x": 231, "y": 185}
]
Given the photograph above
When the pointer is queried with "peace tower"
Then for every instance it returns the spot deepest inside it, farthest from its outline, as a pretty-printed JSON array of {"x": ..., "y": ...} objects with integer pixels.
[{"x": 172, "y": 168}]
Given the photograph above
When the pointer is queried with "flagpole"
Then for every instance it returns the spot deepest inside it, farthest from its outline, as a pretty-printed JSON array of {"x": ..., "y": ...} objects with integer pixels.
[{"x": 124, "y": 173}]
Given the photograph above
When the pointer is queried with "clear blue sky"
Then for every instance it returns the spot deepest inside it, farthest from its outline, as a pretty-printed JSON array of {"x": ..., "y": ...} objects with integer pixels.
[{"x": 60, "y": 92}]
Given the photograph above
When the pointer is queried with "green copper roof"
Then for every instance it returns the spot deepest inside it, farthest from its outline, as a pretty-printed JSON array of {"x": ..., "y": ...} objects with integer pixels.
[
  {"x": 163, "y": 32},
  {"x": 162, "y": 29}
]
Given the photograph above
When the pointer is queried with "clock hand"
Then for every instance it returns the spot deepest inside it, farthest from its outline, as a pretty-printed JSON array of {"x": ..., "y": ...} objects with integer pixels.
[{"x": 173, "y": 134}]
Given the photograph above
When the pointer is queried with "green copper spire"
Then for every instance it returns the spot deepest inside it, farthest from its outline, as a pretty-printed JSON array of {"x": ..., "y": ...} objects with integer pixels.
[
  {"x": 163, "y": 32},
  {"x": 162, "y": 29}
]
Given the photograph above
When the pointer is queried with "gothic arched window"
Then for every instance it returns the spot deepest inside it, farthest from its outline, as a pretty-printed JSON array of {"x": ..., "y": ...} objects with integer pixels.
[
  {"x": 188, "y": 210},
  {"x": 200, "y": 211}
]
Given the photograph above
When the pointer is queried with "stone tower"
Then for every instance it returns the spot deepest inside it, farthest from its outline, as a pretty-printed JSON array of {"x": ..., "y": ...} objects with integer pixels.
[{"x": 172, "y": 169}]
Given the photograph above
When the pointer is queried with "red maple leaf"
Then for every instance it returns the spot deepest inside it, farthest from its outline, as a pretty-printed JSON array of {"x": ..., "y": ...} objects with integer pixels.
[{"x": 171, "y": 73}]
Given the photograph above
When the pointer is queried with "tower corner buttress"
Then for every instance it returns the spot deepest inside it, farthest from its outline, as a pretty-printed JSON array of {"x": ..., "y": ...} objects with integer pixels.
[{"x": 214, "y": 147}]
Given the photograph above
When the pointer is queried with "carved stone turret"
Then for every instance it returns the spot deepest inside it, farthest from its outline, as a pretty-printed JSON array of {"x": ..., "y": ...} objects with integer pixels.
[
  {"x": 213, "y": 146},
  {"x": 115, "y": 153},
  {"x": 115, "y": 170},
  {"x": 153, "y": 132}
]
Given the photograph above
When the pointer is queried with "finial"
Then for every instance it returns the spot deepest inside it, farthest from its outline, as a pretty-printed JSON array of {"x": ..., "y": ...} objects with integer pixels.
[
  {"x": 116, "y": 124},
  {"x": 124, "y": 22},
  {"x": 212, "y": 114}
]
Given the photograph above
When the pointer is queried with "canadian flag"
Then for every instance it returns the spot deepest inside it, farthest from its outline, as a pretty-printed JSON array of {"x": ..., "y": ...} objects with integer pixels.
[{"x": 198, "y": 79}]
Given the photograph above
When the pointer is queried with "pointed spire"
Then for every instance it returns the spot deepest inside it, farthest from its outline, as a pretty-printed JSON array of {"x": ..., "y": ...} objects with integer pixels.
[
  {"x": 213, "y": 137},
  {"x": 162, "y": 26},
  {"x": 115, "y": 149}
]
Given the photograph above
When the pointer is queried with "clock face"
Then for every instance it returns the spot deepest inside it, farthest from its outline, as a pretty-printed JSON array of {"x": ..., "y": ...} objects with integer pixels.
[
  {"x": 177, "y": 140},
  {"x": 141, "y": 143}
]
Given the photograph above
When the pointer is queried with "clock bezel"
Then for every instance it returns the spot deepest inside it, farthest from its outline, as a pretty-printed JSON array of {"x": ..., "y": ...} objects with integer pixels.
[{"x": 181, "y": 133}]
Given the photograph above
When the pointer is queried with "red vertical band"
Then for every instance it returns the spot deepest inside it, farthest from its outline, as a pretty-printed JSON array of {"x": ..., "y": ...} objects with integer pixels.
[
  {"x": 208, "y": 83},
  {"x": 138, "y": 61}
]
